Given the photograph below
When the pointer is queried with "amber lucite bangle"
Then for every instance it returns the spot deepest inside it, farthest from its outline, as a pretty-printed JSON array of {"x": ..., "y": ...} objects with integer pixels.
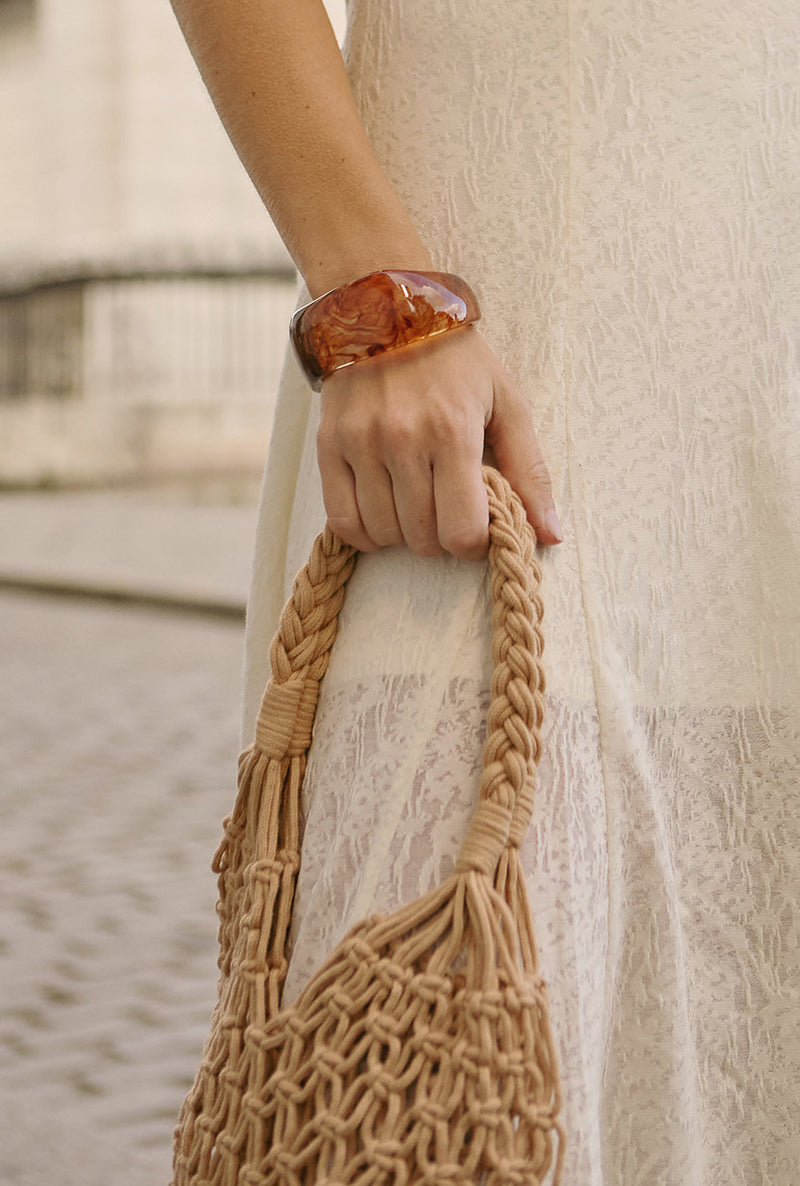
[{"x": 377, "y": 313}]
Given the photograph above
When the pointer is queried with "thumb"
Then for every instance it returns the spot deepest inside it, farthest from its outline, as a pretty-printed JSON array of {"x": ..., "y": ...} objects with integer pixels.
[{"x": 512, "y": 438}]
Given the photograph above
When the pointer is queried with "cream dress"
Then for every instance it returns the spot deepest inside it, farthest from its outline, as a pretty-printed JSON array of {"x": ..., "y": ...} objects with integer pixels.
[{"x": 620, "y": 181}]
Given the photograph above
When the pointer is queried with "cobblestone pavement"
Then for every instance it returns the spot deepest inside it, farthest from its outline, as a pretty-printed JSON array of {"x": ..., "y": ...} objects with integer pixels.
[{"x": 118, "y": 746}]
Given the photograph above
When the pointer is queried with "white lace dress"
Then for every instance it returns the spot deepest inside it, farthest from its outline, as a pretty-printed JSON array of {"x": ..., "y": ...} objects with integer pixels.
[{"x": 620, "y": 181}]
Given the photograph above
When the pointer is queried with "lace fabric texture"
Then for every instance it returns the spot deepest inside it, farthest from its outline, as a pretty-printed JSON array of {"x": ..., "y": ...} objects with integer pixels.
[{"x": 618, "y": 182}]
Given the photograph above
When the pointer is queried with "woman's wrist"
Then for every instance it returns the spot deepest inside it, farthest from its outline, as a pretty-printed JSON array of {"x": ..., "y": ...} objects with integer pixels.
[
  {"x": 378, "y": 313},
  {"x": 337, "y": 264}
]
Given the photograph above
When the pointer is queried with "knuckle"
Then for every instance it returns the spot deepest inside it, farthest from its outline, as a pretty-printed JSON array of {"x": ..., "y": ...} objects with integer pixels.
[
  {"x": 386, "y": 536},
  {"x": 440, "y": 424},
  {"x": 425, "y": 547},
  {"x": 348, "y": 528},
  {"x": 354, "y": 435},
  {"x": 465, "y": 540},
  {"x": 449, "y": 423},
  {"x": 326, "y": 440},
  {"x": 540, "y": 476},
  {"x": 344, "y": 432},
  {"x": 398, "y": 435},
  {"x": 510, "y": 392}
]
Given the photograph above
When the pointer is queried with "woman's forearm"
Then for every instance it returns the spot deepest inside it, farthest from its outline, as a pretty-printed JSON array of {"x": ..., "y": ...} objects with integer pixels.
[
  {"x": 276, "y": 76},
  {"x": 400, "y": 440}
]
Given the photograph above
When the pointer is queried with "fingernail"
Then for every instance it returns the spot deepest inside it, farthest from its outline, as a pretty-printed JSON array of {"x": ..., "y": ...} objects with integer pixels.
[{"x": 553, "y": 526}]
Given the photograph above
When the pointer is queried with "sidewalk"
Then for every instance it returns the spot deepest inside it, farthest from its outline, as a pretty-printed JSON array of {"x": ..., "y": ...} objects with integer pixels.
[
  {"x": 151, "y": 547},
  {"x": 119, "y": 738}
]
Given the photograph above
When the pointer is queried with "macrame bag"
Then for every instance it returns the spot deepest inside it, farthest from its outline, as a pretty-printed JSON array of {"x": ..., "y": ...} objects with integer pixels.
[{"x": 421, "y": 1051}]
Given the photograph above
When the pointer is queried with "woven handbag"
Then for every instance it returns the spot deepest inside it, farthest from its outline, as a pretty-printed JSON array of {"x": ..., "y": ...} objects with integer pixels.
[{"x": 421, "y": 1050}]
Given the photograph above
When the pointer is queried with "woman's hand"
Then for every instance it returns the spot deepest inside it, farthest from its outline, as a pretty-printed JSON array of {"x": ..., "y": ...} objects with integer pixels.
[
  {"x": 402, "y": 437},
  {"x": 401, "y": 443}
]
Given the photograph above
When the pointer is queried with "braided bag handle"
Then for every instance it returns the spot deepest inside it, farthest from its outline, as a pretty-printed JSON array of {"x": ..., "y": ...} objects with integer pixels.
[{"x": 421, "y": 1051}]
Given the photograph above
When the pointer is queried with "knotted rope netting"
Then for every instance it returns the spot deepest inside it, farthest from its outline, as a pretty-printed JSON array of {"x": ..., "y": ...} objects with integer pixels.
[{"x": 421, "y": 1051}]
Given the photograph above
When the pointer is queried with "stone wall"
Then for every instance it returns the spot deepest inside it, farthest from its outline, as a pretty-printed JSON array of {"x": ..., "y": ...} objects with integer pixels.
[
  {"x": 115, "y": 155},
  {"x": 144, "y": 293},
  {"x": 134, "y": 377}
]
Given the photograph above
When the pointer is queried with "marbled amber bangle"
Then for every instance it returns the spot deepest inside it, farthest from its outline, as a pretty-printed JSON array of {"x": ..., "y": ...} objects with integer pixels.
[{"x": 379, "y": 312}]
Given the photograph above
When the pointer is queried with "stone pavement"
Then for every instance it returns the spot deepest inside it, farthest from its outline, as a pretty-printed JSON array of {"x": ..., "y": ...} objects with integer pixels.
[
  {"x": 164, "y": 545},
  {"x": 119, "y": 733}
]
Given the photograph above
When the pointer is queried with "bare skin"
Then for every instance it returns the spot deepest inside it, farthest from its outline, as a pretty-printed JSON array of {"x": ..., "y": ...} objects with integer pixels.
[{"x": 402, "y": 437}]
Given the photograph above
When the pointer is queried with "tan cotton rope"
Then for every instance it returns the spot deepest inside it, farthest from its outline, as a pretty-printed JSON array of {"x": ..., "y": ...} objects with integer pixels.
[{"x": 420, "y": 1052}]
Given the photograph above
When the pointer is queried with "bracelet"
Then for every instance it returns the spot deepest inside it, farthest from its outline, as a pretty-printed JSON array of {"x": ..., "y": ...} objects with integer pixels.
[{"x": 380, "y": 312}]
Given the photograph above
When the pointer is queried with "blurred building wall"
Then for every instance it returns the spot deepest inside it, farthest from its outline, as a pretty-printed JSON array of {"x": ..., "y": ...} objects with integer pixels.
[{"x": 144, "y": 294}]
